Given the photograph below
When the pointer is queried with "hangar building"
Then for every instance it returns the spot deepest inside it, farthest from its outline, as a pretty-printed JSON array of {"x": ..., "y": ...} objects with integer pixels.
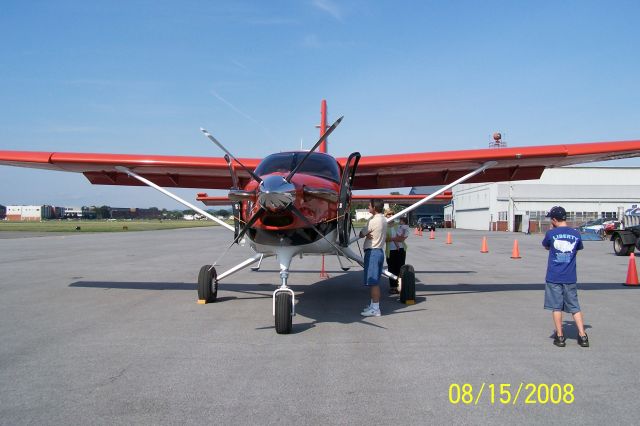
[{"x": 586, "y": 193}]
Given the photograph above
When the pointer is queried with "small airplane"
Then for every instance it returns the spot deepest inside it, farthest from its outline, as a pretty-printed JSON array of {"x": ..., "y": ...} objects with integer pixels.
[{"x": 299, "y": 202}]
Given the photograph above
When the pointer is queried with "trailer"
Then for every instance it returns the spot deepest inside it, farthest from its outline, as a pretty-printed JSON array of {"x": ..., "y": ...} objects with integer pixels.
[{"x": 627, "y": 239}]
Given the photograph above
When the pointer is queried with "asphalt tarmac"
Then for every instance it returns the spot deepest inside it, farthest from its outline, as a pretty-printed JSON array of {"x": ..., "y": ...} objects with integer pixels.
[{"x": 105, "y": 329}]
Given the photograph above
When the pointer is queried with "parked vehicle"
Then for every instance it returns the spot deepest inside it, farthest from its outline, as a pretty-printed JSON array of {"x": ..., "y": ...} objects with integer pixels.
[
  {"x": 627, "y": 239},
  {"x": 601, "y": 227},
  {"x": 430, "y": 223}
]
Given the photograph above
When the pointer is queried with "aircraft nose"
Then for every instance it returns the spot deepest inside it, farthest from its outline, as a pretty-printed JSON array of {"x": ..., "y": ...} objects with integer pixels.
[{"x": 276, "y": 193}]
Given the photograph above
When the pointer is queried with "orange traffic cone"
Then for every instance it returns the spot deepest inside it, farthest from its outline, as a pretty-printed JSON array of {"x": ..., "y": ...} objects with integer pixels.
[
  {"x": 515, "y": 254},
  {"x": 448, "y": 237},
  {"x": 416, "y": 232},
  {"x": 420, "y": 234},
  {"x": 485, "y": 248},
  {"x": 432, "y": 236},
  {"x": 632, "y": 272}
]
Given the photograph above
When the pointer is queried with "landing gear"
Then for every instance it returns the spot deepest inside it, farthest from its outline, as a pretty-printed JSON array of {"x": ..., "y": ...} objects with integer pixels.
[
  {"x": 207, "y": 284},
  {"x": 284, "y": 314},
  {"x": 407, "y": 279},
  {"x": 284, "y": 304},
  {"x": 344, "y": 268},
  {"x": 256, "y": 268}
]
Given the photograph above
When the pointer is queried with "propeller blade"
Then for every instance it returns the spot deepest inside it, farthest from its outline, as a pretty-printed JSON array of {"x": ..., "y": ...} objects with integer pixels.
[
  {"x": 298, "y": 213},
  {"x": 215, "y": 141},
  {"x": 322, "y": 139},
  {"x": 247, "y": 225}
]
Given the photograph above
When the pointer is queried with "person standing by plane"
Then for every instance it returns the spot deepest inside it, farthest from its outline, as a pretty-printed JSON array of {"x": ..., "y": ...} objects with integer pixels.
[
  {"x": 395, "y": 252},
  {"x": 374, "y": 234},
  {"x": 561, "y": 292}
]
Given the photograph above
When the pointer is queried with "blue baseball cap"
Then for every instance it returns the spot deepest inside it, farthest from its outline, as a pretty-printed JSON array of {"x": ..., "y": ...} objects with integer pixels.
[{"x": 557, "y": 213}]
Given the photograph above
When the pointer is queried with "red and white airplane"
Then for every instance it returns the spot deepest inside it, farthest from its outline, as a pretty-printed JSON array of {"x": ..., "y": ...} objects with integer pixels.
[{"x": 296, "y": 203}]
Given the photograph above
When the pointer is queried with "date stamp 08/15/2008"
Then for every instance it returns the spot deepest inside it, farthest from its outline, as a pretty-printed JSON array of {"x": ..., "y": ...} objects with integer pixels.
[{"x": 511, "y": 394}]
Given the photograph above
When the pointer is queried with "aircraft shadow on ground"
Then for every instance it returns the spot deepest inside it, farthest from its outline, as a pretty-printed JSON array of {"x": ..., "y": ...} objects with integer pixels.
[
  {"x": 358, "y": 269},
  {"x": 450, "y": 289},
  {"x": 338, "y": 299}
]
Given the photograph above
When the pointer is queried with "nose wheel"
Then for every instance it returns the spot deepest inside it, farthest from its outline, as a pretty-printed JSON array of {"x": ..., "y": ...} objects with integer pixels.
[{"x": 284, "y": 300}]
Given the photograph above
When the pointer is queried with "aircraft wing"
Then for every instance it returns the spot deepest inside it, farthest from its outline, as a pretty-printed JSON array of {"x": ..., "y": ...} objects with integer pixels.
[
  {"x": 381, "y": 171},
  {"x": 166, "y": 171},
  {"x": 516, "y": 163}
]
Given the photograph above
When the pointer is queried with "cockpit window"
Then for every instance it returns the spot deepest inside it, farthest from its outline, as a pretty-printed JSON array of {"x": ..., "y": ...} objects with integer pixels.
[{"x": 317, "y": 164}]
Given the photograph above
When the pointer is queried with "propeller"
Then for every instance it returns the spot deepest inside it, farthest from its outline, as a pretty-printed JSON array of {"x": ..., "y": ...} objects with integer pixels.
[
  {"x": 275, "y": 192},
  {"x": 322, "y": 139},
  {"x": 215, "y": 141}
]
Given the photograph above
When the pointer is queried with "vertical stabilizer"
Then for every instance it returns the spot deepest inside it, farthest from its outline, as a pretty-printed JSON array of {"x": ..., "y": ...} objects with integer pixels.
[{"x": 323, "y": 125}]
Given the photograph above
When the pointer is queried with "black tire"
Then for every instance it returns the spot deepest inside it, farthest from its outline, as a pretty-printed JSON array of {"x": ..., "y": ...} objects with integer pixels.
[
  {"x": 283, "y": 312},
  {"x": 620, "y": 248},
  {"x": 345, "y": 269},
  {"x": 408, "y": 289},
  {"x": 207, "y": 284}
]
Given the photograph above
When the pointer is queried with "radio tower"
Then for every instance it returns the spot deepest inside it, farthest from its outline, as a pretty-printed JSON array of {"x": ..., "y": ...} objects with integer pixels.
[{"x": 497, "y": 141}]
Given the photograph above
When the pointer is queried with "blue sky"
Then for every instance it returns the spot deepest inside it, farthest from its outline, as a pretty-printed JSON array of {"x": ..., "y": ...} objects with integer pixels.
[{"x": 409, "y": 76}]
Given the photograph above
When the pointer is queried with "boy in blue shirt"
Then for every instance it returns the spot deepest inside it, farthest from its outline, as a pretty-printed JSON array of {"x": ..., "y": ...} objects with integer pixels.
[{"x": 561, "y": 293}]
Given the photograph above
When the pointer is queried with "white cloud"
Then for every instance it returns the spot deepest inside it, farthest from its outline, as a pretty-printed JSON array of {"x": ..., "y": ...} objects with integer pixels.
[{"x": 330, "y": 7}]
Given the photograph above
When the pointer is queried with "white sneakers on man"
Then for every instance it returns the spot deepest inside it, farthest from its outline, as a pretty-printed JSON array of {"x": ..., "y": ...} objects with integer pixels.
[{"x": 370, "y": 311}]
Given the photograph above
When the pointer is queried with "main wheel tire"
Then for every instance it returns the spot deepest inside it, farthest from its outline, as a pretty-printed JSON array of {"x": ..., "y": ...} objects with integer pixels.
[
  {"x": 207, "y": 284},
  {"x": 283, "y": 312},
  {"x": 408, "y": 289},
  {"x": 620, "y": 248}
]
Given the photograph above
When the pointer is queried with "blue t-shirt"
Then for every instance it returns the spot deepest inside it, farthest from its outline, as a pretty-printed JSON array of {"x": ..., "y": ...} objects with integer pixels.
[{"x": 563, "y": 244}]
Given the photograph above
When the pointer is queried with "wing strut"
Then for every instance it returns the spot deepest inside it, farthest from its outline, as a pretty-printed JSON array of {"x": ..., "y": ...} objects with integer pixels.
[
  {"x": 468, "y": 176},
  {"x": 175, "y": 197}
]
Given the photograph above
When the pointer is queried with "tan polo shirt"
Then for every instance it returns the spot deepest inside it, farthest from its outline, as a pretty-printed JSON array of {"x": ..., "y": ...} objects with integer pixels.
[{"x": 377, "y": 225}]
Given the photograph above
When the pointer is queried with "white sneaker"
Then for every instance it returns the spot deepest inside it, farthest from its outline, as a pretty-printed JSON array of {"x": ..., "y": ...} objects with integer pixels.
[{"x": 371, "y": 312}]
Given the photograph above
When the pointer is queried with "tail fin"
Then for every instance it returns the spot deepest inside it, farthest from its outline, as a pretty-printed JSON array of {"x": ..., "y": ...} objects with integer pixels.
[{"x": 323, "y": 125}]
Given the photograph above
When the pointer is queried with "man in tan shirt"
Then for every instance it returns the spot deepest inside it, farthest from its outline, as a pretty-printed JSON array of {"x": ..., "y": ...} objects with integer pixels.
[{"x": 374, "y": 232}]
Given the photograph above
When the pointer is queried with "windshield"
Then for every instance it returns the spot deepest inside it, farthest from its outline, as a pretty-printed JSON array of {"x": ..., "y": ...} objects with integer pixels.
[{"x": 317, "y": 164}]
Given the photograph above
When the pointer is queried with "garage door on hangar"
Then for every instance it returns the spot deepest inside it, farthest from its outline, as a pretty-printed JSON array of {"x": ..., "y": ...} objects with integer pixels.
[{"x": 473, "y": 219}]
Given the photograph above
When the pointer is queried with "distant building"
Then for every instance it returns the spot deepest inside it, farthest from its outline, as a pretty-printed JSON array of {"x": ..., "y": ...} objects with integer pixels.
[
  {"x": 29, "y": 213},
  {"x": 586, "y": 193},
  {"x": 72, "y": 212},
  {"x": 135, "y": 213},
  {"x": 3, "y": 212}
]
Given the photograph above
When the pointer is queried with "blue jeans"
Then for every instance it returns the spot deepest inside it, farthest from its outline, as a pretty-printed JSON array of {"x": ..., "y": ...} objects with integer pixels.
[
  {"x": 561, "y": 297},
  {"x": 373, "y": 265}
]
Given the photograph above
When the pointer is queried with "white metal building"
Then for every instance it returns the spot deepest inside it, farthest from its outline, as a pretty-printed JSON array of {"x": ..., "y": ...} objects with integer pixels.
[
  {"x": 585, "y": 192},
  {"x": 29, "y": 213}
]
